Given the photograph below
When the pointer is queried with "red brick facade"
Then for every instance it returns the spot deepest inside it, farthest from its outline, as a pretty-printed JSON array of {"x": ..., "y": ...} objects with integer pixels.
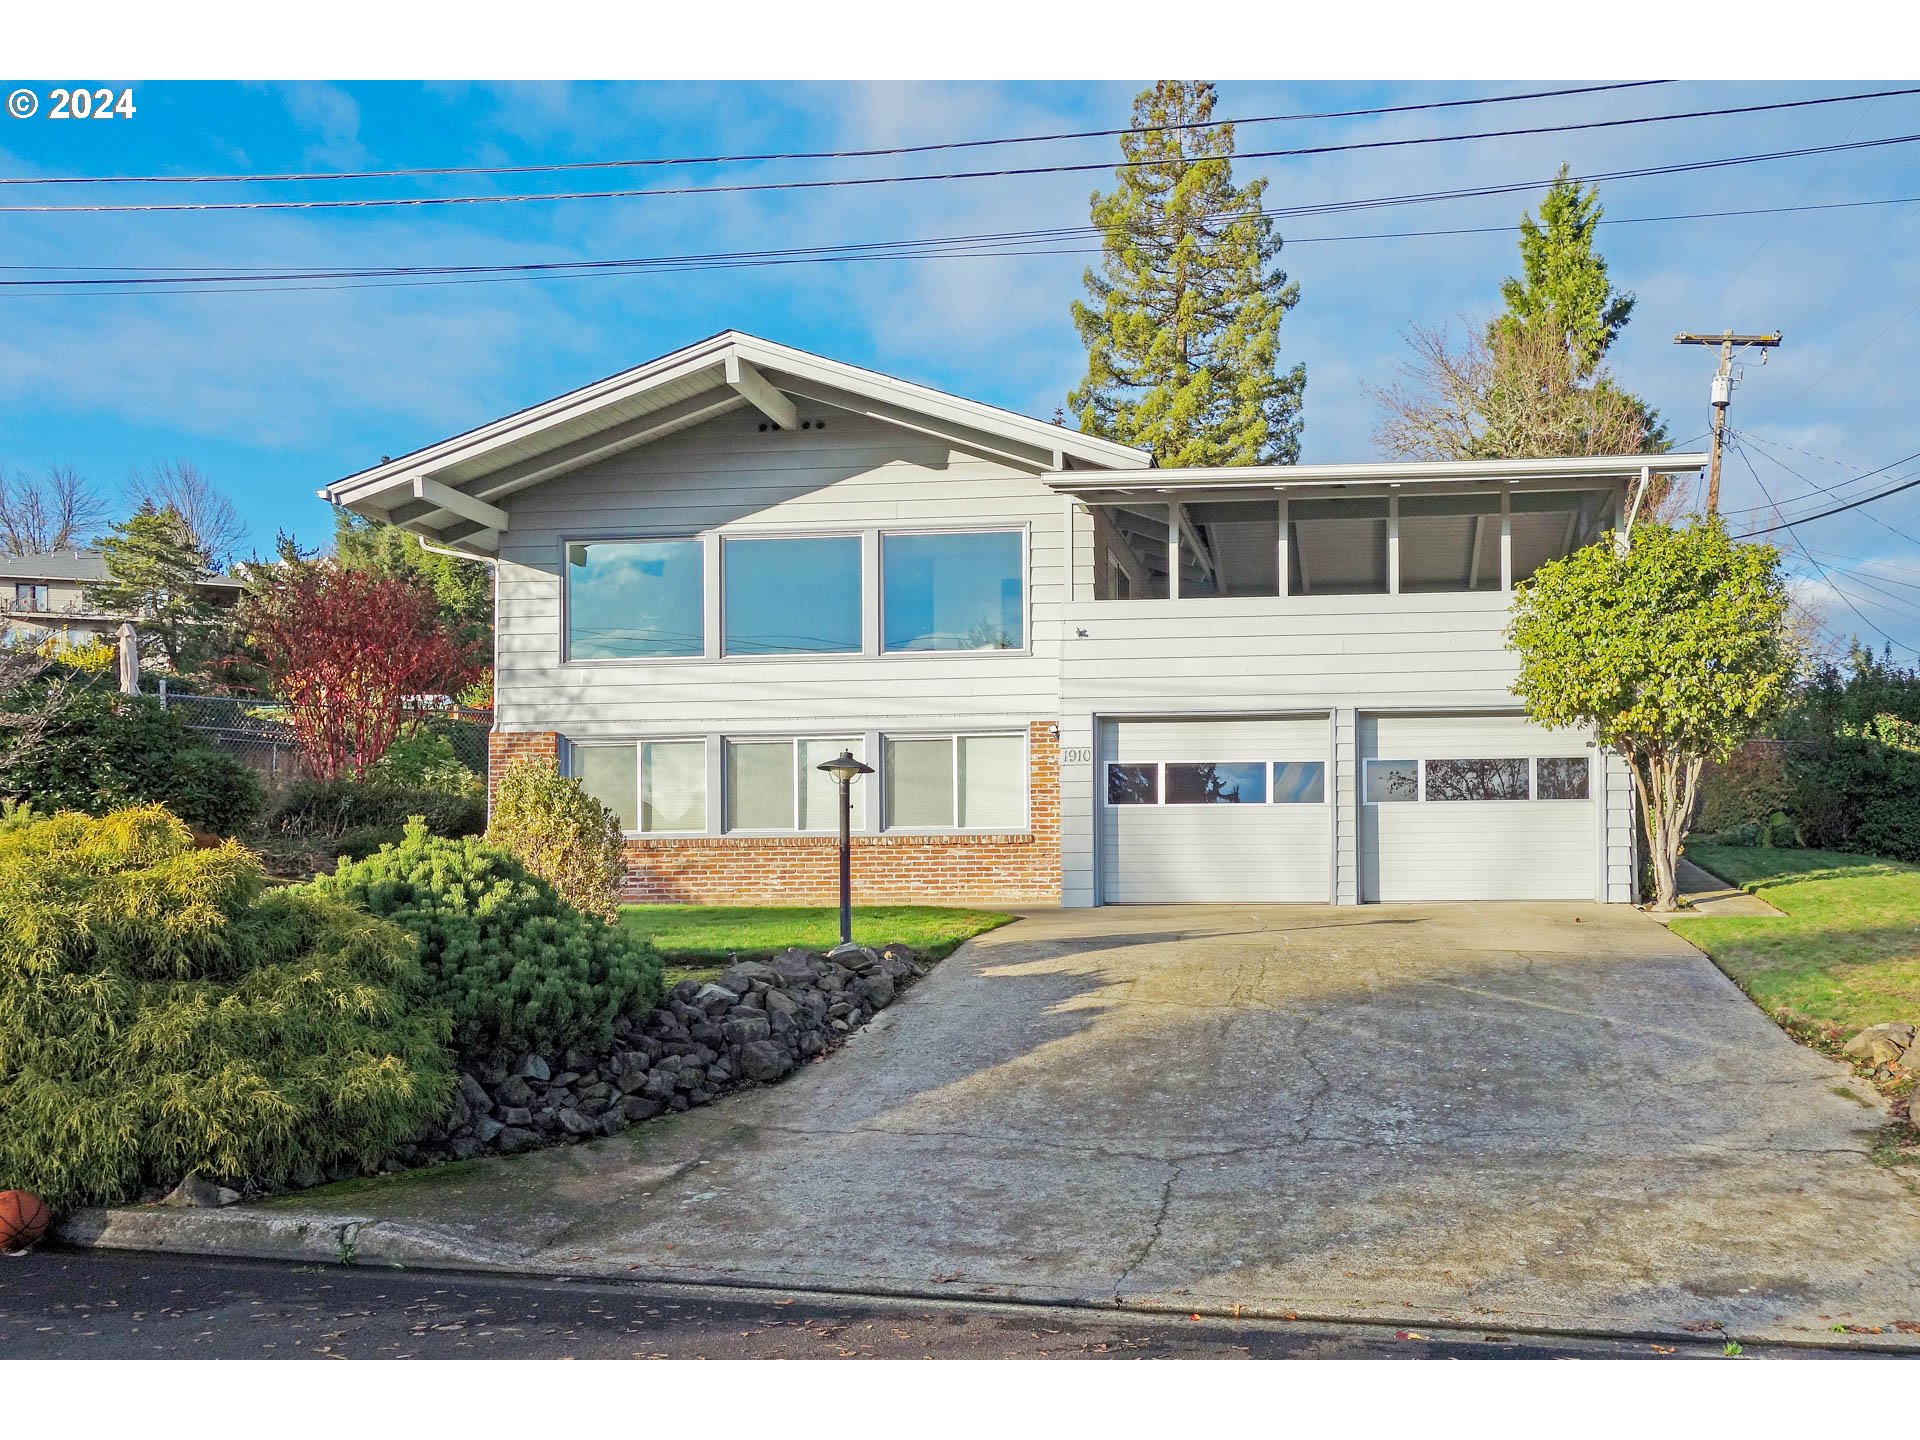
[
  {"x": 887, "y": 869},
  {"x": 504, "y": 746}
]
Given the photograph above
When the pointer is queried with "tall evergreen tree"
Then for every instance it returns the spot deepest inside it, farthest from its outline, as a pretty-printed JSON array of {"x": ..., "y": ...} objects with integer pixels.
[
  {"x": 463, "y": 589},
  {"x": 1563, "y": 286},
  {"x": 1182, "y": 321},
  {"x": 155, "y": 567}
]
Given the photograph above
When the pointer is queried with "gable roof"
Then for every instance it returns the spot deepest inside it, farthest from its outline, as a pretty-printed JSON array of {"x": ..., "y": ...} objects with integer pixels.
[{"x": 447, "y": 492}]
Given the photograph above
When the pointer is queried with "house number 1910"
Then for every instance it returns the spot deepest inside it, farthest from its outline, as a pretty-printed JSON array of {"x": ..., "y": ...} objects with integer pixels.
[{"x": 1082, "y": 756}]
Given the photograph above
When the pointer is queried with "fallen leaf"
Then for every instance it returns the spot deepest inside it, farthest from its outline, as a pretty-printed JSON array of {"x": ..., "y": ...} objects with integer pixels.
[
  {"x": 1662, "y": 1349},
  {"x": 1408, "y": 1335}
]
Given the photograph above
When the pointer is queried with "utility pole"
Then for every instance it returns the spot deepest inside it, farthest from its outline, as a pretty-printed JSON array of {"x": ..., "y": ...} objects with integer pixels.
[{"x": 1723, "y": 391}]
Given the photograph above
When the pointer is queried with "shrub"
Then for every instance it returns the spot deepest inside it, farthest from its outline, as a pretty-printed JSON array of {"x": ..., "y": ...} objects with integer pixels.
[
  {"x": 1744, "y": 789},
  {"x": 163, "y": 1013},
  {"x": 359, "y": 816},
  {"x": 70, "y": 741},
  {"x": 560, "y": 833},
  {"x": 516, "y": 966},
  {"x": 423, "y": 759}
]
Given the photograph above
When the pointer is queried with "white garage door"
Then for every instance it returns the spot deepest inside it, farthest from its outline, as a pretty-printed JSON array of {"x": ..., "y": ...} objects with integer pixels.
[
  {"x": 1476, "y": 807},
  {"x": 1203, "y": 810}
]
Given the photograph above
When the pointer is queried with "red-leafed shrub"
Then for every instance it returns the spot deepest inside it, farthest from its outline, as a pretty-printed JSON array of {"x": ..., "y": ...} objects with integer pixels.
[{"x": 346, "y": 650}]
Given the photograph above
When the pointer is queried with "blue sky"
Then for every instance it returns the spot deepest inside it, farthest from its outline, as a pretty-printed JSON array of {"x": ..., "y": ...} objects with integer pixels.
[{"x": 277, "y": 393}]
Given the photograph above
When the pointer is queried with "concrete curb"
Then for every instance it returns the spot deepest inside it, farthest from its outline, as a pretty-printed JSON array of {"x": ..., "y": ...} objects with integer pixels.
[{"x": 250, "y": 1233}]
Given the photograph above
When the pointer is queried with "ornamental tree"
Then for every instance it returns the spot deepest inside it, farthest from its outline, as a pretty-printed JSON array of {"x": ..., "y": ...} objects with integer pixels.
[
  {"x": 347, "y": 650},
  {"x": 1673, "y": 650}
]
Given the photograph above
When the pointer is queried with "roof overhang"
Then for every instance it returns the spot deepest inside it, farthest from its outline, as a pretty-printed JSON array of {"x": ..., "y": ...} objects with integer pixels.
[
  {"x": 449, "y": 493},
  {"x": 1381, "y": 476}
]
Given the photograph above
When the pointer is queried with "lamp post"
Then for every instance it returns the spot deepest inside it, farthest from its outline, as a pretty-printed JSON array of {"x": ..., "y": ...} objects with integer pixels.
[{"x": 844, "y": 768}]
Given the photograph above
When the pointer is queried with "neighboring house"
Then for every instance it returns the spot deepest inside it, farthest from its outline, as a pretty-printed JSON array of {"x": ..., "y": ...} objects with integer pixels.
[
  {"x": 44, "y": 596},
  {"x": 1080, "y": 679}
]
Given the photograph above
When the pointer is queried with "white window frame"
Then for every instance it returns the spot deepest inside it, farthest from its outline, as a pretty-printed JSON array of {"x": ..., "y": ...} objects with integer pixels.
[
  {"x": 708, "y": 638},
  {"x": 922, "y": 532},
  {"x": 637, "y": 744},
  {"x": 952, "y": 737},
  {"x": 1159, "y": 767},
  {"x": 1532, "y": 797},
  {"x": 720, "y": 582},
  {"x": 793, "y": 743}
]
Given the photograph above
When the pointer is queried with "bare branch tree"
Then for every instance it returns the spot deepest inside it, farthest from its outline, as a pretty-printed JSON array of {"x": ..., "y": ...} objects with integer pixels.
[
  {"x": 180, "y": 485},
  {"x": 1510, "y": 393},
  {"x": 54, "y": 510}
]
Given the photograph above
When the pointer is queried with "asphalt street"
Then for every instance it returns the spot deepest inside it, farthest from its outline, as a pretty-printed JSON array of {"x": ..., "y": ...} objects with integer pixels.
[{"x": 60, "y": 1304}]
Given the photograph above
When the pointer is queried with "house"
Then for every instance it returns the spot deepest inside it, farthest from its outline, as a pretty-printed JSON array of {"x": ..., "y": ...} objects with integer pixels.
[
  {"x": 43, "y": 597},
  {"x": 1080, "y": 679}
]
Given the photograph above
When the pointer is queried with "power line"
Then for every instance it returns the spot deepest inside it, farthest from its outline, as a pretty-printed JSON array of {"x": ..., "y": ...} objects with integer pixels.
[
  {"x": 875, "y": 152},
  {"x": 1855, "y": 353},
  {"x": 152, "y": 274},
  {"x": 1766, "y": 448},
  {"x": 1008, "y": 172},
  {"x": 1906, "y": 484},
  {"x": 1741, "y": 451}
]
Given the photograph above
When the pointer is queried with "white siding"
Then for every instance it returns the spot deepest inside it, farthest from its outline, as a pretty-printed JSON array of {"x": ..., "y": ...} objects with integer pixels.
[
  {"x": 1483, "y": 849},
  {"x": 729, "y": 474},
  {"x": 1163, "y": 854}
]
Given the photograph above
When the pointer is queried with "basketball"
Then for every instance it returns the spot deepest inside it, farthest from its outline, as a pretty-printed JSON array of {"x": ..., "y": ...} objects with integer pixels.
[{"x": 24, "y": 1219}]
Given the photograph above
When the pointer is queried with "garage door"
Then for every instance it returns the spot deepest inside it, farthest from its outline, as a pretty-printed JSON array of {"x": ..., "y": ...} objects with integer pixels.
[
  {"x": 1475, "y": 807},
  {"x": 1203, "y": 810}
]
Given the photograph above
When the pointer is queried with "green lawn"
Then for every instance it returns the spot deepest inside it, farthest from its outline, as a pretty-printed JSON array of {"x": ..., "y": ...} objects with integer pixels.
[
  {"x": 697, "y": 939},
  {"x": 1847, "y": 950}
]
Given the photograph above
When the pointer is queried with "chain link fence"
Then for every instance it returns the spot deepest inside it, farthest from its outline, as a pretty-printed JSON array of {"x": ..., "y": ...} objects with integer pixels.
[{"x": 256, "y": 731}]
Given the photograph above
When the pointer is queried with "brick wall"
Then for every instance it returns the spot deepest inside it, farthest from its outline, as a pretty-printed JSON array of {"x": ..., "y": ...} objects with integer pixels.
[
  {"x": 887, "y": 869},
  {"x": 508, "y": 745}
]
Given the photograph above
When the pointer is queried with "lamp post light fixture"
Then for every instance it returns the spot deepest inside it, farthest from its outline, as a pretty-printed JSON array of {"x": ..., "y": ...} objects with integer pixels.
[{"x": 845, "y": 769}]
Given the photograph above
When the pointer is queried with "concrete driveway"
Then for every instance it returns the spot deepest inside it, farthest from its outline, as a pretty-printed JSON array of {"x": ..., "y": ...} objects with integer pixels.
[{"x": 1503, "y": 1115}]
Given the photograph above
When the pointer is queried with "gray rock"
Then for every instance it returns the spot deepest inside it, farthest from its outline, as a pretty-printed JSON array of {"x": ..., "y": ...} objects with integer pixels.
[
  {"x": 475, "y": 1094},
  {"x": 514, "y": 1139},
  {"x": 714, "y": 999},
  {"x": 609, "y": 1123},
  {"x": 577, "y": 1060},
  {"x": 763, "y": 1060},
  {"x": 564, "y": 1079},
  {"x": 197, "y": 1192},
  {"x": 574, "y": 1123},
  {"x": 516, "y": 1115},
  {"x": 533, "y": 1067},
  {"x": 1881, "y": 1044},
  {"x": 743, "y": 1029},
  {"x": 684, "y": 991},
  {"x": 465, "y": 1147},
  {"x": 659, "y": 1084},
  {"x": 795, "y": 967},
  {"x": 514, "y": 1090},
  {"x": 639, "y": 1107},
  {"x": 739, "y": 977},
  {"x": 781, "y": 1002},
  {"x": 485, "y": 1128},
  {"x": 875, "y": 990}
]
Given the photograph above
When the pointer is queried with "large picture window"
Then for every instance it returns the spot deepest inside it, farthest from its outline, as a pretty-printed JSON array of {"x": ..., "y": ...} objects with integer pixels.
[
  {"x": 798, "y": 596},
  {"x": 635, "y": 599},
  {"x": 959, "y": 591},
  {"x": 954, "y": 782},
  {"x": 654, "y": 786},
  {"x": 778, "y": 785}
]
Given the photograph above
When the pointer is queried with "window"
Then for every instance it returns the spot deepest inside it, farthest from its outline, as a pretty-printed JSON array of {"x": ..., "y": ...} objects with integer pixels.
[
  {"x": 792, "y": 596},
  {"x": 1476, "y": 780},
  {"x": 1129, "y": 551},
  {"x": 609, "y": 773},
  {"x": 961, "y": 591},
  {"x": 1337, "y": 547},
  {"x": 1299, "y": 782},
  {"x": 777, "y": 784},
  {"x": 1547, "y": 525},
  {"x": 1561, "y": 778},
  {"x": 1133, "y": 784},
  {"x": 673, "y": 785},
  {"x": 965, "y": 782},
  {"x": 1216, "y": 782},
  {"x": 29, "y": 596},
  {"x": 635, "y": 599},
  {"x": 1449, "y": 542},
  {"x": 1391, "y": 781}
]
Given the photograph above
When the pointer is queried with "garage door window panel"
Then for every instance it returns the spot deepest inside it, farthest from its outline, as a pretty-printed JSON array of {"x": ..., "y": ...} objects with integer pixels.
[
  {"x": 1503, "y": 779},
  {"x": 1563, "y": 778},
  {"x": 1217, "y": 782},
  {"x": 1299, "y": 782},
  {"x": 1390, "y": 782},
  {"x": 1133, "y": 784}
]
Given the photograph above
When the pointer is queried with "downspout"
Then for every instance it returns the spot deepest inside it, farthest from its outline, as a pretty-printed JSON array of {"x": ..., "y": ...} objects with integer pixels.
[{"x": 1633, "y": 511}]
